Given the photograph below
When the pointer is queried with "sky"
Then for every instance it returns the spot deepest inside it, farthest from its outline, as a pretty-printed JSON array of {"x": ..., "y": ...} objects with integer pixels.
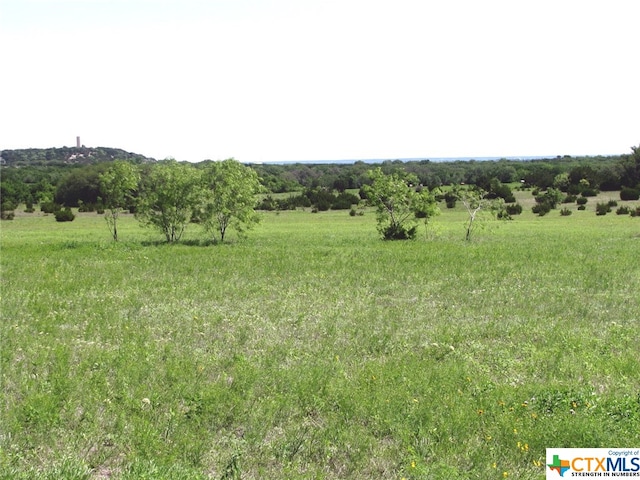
[{"x": 304, "y": 80}]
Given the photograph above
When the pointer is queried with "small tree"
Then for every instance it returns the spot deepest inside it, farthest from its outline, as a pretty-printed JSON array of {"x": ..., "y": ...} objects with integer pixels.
[
  {"x": 230, "y": 197},
  {"x": 426, "y": 206},
  {"x": 117, "y": 186},
  {"x": 475, "y": 201},
  {"x": 169, "y": 194},
  {"x": 396, "y": 202}
]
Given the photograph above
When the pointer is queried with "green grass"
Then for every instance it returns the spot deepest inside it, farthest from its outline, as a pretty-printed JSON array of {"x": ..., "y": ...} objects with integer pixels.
[{"x": 313, "y": 349}]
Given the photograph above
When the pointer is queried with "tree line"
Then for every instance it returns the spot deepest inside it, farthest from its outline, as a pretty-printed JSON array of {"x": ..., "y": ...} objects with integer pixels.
[{"x": 169, "y": 194}]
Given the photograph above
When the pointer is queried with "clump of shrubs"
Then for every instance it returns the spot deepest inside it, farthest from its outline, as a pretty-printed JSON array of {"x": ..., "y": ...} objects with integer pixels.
[
  {"x": 514, "y": 209},
  {"x": 49, "y": 207},
  {"x": 399, "y": 232},
  {"x": 602, "y": 208},
  {"x": 630, "y": 194},
  {"x": 450, "y": 199},
  {"x": 570, "y": 198},
  {"x": 582, "y": 201},
  {"x": 624, "y": 210},
  {"x": 565, "y": 212},
  {"x": 64, "y": 215}
]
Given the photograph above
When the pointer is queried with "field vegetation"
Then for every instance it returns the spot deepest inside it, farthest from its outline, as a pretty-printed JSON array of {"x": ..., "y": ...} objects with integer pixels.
[{"x": 312, "y": 349}]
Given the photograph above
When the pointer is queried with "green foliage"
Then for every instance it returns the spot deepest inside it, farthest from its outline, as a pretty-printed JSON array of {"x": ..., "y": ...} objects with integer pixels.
[
  {"x": 80, "y": 185},
  {"x": 169, "y": 194},
  {"x": 230, "y": 190},
  {"x": 49, "y": 207},
  {"x": 499, "y": 190},
  {"x": 450, "y": 199},
  {"x": 64, "y": 215},
  {"x": 117, "y": 186},
  {"x": 630, "y": 166},
  {"x": 565, "y": 212},
  {"x": 476, "y": 202},
  {"x": 547, "y": 202},
  {"x": 629, "y": 194},
  {"x": 623, "y": 210},
  {"x": 602, "y": 208},
  {"x": 582, "y": 200},
  {"x": 514, "y": 209},
  {"x": 396, "y": 202}
]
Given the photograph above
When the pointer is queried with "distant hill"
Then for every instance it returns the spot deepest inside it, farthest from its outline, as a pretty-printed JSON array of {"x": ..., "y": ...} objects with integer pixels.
[{"x": 67, "y": 156}]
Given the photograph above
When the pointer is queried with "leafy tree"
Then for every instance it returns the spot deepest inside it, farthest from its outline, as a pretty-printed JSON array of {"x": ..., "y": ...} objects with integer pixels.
[
  {"x": 630, "y": 166},
  {"x": 475, "y": 201},
  {"x": 81, "y": 184},
  {"x": 168, "y": 196},
  {"x": 230, "y": 190},
  {"x": 396, "y": 202},
  {"x": 117, "y": 186}
]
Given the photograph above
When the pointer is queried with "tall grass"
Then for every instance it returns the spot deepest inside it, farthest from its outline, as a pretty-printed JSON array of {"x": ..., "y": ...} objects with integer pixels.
[{"x": 313, "y": 349}]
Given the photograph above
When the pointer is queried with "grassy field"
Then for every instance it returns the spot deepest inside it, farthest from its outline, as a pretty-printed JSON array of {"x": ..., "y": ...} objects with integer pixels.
[{"x": 313, "y": 349}]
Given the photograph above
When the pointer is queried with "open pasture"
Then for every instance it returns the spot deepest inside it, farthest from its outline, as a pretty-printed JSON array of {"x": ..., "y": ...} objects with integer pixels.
[{"x": 312, "y": 349}]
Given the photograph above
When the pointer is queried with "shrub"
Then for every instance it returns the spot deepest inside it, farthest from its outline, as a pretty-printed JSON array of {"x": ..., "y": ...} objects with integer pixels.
[
  {"x": 399, "y": 232},
  {"x": 515, "y": 209},
  {"x": 582, "y": 207},
  {"x": 569, "y": 198},
  {"x": 504, "y": 215},
  {"x": 636, "y": 212},
  {"x": 7, "y": 215},
  {"x": 49, "y": 207},
  {"x": 629, "y": 194},
  {"x": 602, "y": 208},
  {"x": 582, "y": 200},
  {"x": 565, "y": 212},
  {"x": 624, "y": 210},
  {"x": 541, "y": 209},
  {"x": 450, "y": 199},
  {"x": 589, "y": 192},
  {"x": 344, "y": 201},
  {"x": 612, "y": 203},
  {"x": 352, "y": 212},
  {"x": 64, "y": 215}
]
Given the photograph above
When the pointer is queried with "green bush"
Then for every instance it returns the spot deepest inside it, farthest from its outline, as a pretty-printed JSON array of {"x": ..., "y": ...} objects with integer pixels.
[
  {"x": 629, "y": 194},
  {"x": 569, "y": 198},
  {"x": 399, "y": 232},
  {"x": 515, "y": 209},
  {"x": 64, "y": 215},
  {"x": 602, "y": 208},
  {"x": 612, "y": 203},
  {"x": 624, "y": 210},
  {"x": 582, "y": 200},
  {"x": 450, "y": 199},
  {"x": 49, "y": 207},
  {"x": 565, "y": 212},
  {"x": 541, "y": 209},
  {"x": 582, "y": 207}
]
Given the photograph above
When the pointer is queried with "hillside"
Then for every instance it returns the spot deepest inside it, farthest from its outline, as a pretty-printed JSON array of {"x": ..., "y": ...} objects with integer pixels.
[{"x": 67, "y": 156}]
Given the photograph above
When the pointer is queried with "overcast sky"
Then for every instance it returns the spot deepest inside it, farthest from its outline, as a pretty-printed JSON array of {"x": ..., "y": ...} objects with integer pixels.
[{"x": 273, "y": 80}]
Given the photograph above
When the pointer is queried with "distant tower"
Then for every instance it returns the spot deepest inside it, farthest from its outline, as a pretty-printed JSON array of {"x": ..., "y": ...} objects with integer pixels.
[{"x": 78, "y": 142}]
